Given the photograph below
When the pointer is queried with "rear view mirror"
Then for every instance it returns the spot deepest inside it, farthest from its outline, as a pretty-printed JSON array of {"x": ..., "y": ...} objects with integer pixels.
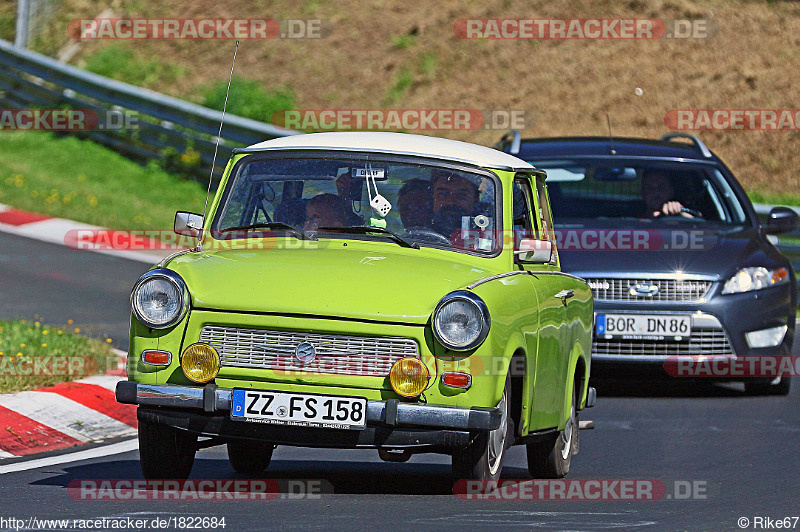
[
  {"x": 533, "y": 250},
  {"x": 607, "y": 173},
  {"x": 781, "y": 220},
  {"x": 188, "y": 223}
]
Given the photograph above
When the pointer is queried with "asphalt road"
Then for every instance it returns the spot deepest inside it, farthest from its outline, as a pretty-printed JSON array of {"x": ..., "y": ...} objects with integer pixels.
[
  {"x": 741, "y": 452},
  {"x": 56, "y": 284}
]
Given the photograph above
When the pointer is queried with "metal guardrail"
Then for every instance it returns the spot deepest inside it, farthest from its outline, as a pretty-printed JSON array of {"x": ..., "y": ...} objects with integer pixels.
[
  {"x": 762, "y": 209},
  {"x": 166, "y": 127}
]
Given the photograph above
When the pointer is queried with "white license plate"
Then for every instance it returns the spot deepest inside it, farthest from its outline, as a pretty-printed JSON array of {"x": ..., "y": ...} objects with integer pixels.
[
  {"x": 644, "y": 326},
  {"x": 299, "y": 409}
]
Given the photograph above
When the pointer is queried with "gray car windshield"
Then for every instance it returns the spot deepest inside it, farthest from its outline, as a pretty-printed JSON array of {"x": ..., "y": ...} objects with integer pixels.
[
  {"x": 414, "y": 204},
  {"x": 654, "y": 192}
]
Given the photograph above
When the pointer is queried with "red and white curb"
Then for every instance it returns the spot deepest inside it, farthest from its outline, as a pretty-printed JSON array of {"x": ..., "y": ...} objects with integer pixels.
[
  {"x": 70, "y": 413},
  {"x": 64, "y": 415},
  {"x": 57, "y": 230}
]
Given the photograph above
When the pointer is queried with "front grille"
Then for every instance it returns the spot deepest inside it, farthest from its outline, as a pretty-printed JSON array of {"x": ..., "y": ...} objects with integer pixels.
[
  {"x": 709, "y": 342},
  {"x": 275, "y": 350},
  {"x": 605, "y": 289}
]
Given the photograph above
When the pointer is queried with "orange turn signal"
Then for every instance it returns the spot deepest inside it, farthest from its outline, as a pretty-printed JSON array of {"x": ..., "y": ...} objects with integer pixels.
[
  {"x": 154, "y": 357},
  {"x": 457, "y": 379},
  {"x": 779, "y": 275}
]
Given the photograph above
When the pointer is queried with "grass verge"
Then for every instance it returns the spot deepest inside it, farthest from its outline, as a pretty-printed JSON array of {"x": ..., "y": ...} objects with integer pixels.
[
  {"x": 66, "y": 177},
  {"x": 247, "y": 98},
  {"x": 33, "y": 355},
  {"x": 126, "y": 64},
  {"x": 788, "y": 199}
]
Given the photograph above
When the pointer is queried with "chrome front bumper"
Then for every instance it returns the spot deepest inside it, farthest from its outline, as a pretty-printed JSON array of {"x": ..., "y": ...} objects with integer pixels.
[{"x": 211, "y": 399}]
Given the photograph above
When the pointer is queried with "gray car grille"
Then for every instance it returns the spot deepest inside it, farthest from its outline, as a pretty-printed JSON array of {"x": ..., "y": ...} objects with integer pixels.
[
  {"x": 275, "y": 350},
  {"x": 710, "y": 342},
  {"x": 605, "y": 289}
]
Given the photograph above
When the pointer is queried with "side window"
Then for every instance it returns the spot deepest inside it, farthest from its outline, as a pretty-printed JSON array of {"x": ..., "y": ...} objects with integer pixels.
[
  {"x": 523, "y": 202},
  {"x": 545, "y": 218}
]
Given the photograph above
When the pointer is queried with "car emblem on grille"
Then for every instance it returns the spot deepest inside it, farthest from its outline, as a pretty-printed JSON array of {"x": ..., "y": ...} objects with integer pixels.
[
  {"x": 643, "y": 289},
  {"x": 599, "y": 285},
  {"x": 305, "y": 352}
]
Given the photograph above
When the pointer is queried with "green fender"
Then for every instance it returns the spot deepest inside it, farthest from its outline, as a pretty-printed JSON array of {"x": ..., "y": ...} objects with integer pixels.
[{"x": 576, "y": 355}]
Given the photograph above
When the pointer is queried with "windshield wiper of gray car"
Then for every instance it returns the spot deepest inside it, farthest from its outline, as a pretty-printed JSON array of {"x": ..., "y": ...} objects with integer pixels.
[
  {"x": 365, "y": 230},
  {"x": 270, "y": 225}
]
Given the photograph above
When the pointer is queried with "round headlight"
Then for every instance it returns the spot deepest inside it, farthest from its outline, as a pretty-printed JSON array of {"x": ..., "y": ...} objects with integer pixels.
[
  {"x": 160, "y": 299},
  {"x": 461, "y": 321},
  {"x": 200, "y": 362},
  {"x": 409, "y": 377}
]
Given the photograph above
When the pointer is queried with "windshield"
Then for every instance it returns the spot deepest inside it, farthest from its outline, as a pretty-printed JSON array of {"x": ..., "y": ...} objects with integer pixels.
[
  {"x": 656, "y": 193},
  {"x": 422, "y": 204}
]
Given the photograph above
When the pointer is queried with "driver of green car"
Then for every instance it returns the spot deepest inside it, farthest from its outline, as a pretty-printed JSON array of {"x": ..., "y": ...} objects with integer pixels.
[{"x": 454, "y": 197}]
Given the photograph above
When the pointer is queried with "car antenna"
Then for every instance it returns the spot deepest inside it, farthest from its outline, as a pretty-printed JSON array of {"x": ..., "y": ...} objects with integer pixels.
[
  {"x": 216, "y": 147},
  {"x": 610, "y": 137}
]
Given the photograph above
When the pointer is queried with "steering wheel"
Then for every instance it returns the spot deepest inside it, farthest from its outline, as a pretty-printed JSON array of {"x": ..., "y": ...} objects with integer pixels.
[
  {"x": 695, "y": 214},
  {"x": 426, "y": 234}
]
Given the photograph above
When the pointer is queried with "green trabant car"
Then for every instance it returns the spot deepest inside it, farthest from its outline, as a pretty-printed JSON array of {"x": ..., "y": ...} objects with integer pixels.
[{"x": 363, "y": 290}]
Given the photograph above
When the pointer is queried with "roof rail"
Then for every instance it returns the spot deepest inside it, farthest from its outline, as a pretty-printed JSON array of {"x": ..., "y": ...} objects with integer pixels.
[
  {"x": 697, "y": 142},
  {"x": 513, "y": 137}
]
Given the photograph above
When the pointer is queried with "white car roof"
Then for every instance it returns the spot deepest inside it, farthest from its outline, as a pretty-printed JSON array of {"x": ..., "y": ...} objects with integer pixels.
[{"x": 396, "y": 143}]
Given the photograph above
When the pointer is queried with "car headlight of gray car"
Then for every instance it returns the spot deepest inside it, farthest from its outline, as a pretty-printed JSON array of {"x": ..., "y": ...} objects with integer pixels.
[
  {"x": 755, "y": 278},
  {"x": 461, "y": 321},
  {"x": 160, "y": 299}
]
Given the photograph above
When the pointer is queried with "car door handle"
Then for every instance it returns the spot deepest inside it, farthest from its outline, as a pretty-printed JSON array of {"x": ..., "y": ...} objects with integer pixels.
[{"x": 565, "y": 294}]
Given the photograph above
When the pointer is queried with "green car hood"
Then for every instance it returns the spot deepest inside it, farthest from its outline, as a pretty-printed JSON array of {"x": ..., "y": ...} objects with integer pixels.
[{"x": 369, "y": 283}]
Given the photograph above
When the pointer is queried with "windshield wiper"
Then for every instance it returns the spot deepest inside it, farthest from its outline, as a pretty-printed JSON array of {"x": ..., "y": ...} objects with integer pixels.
[
  {"x": 270, "y": 225},
  {"x": 365, "y": 230}
]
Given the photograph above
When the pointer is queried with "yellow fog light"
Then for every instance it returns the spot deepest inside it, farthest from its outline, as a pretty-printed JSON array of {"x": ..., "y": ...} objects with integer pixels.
[
  {"x": 200, "y": 362},
  {"x": 409, "y": 377}
]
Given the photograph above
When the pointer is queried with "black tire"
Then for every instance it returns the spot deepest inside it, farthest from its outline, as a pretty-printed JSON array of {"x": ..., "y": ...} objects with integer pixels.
[
  {"x": 483, "y": 458},
  {"x": 761, "y": 386},
  {"x": 551, "y": 458},
  {"x": 250, "y": 457},
  {"x": 165, "y": 452}
]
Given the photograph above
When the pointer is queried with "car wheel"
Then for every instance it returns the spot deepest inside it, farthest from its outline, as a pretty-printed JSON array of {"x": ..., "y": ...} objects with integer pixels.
[
  {"x": 249, "y": 457},
  {"x": 483, "y": 458},
  {"x": 552, "y": 458},
  {"x": 165, "y": 452},
  {"x": 768, "y": 386}
]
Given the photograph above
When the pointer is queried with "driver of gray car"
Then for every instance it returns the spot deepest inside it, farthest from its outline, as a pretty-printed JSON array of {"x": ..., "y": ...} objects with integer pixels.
[{"x": 658, "y": 194}]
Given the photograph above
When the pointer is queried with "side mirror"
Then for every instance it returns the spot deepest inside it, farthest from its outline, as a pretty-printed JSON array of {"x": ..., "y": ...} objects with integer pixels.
[
  {"x": 781, "y": 220},
  {"x": 188, "y": 223},
  {"x": 533, "y": 250}
]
